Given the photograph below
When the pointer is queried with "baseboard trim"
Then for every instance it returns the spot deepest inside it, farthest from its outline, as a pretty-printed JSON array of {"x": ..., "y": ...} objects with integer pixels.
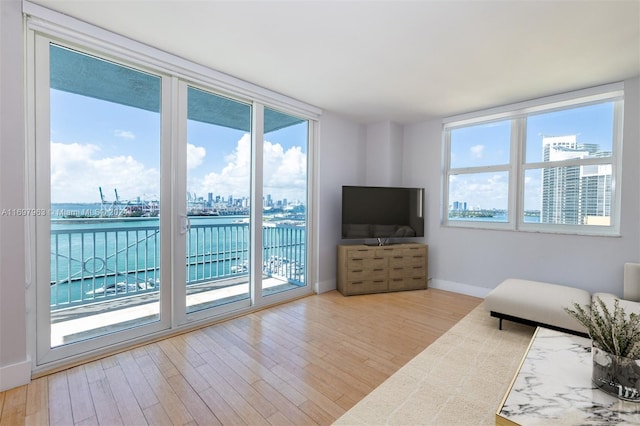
[
  {"x": 469, "y": 290},
  {"x": 15, "y": 375},
  {"x": 324, "y": 286}
]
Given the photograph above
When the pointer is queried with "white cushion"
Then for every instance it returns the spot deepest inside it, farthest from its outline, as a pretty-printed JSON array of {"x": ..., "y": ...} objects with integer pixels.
[
  {"x": 632, "y": 281},
  {"x": 629, "y": 306},
  {"x": 538, "y": 301}
]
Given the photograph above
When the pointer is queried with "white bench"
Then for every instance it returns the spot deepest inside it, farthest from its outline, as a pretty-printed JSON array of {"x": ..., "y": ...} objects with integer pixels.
[{"x": 537, "y": 303}]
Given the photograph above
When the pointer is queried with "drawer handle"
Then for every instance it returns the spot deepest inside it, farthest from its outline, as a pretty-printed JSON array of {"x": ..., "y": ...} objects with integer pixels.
[
  {"x": 356, "y": 258},
  {"x": 356, "y": 283},
  {"x": 357, "y": 270},
  {"x": 378, "y": 281},
  {"x": 378, "y": 269}
]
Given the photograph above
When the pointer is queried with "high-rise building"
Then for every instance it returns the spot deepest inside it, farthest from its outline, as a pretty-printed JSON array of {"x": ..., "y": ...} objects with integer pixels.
[
  {"x": 460, "y": 206},
  {"x": 574, "y": 195},
  {"x": 595, "y": 194}
]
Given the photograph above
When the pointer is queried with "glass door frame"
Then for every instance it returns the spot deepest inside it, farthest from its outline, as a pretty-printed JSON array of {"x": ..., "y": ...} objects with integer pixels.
[
  {"x": 180, "y": 315},
  {"x": 40, "y": 148},
  {"x": 257, "y": 299}
]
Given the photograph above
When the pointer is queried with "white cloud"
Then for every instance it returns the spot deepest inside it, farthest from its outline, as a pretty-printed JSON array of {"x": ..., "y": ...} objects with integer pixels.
[
  {"x": 480, "y": 191},
  {"x": 233, "y": 179},
  {"x": 195, "y": 156},
  {"x": 491, "y": 190},
  {"x": 77, "y": 173},
  {"x": 532, "y": 192},
  {"x": 125, "y": 134},
  {"x": 284, "y": 173},
  {"x": 477, "y": 151}
]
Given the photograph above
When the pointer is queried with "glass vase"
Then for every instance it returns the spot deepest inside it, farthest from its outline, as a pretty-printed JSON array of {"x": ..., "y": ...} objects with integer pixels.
[{"x": 617, "y": 375}]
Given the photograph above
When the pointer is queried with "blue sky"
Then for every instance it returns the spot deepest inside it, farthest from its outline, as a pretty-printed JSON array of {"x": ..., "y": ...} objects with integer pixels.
[
  {"x": 97, "y": 143},
  {"x": 488, "y": 144}
]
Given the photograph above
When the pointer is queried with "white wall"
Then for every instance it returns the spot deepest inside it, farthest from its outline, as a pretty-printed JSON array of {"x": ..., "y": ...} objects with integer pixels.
[
  {"x": 341, "y": 152},
  {"x": 15, "y": 367},
  {"x": 351, "y": 154},
  {"x": 383, "y": 154},
  {"x": 474, "y": 261}
]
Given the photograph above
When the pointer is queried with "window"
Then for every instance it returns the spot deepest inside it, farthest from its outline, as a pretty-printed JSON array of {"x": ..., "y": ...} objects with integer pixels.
[
  {"x": 479, "y": 170},
  {"x": 546, "y": 165}
]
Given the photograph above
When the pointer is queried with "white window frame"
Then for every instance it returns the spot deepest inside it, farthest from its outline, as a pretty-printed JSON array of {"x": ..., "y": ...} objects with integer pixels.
[{"x": 517, "y": 114}]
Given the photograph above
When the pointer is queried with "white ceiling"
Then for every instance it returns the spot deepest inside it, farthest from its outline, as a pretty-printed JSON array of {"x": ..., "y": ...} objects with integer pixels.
[{"x": 403, "y": 61}]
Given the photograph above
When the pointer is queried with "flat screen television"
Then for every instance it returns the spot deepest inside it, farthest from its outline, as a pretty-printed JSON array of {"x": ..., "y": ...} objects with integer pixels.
[{"x": 382, "y": 212}]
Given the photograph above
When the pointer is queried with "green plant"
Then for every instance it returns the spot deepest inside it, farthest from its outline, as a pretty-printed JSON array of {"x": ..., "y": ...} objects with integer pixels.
[{"x": 614, "y": 332}]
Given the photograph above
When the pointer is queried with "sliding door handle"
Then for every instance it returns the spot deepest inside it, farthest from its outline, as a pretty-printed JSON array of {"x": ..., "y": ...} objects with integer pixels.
[{"x": 185, "y": 224}]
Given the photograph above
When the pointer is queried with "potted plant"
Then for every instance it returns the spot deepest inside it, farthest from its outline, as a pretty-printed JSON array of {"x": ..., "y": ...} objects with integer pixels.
[{"x": 615, "y": 349}]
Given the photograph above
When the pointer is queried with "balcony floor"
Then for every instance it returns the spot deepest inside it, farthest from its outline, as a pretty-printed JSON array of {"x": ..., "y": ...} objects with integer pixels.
[{"x": 92, "y": 320}]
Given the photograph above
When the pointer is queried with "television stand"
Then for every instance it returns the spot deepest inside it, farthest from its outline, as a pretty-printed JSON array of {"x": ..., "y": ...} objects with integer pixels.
[{"x": 366, "y": 269}]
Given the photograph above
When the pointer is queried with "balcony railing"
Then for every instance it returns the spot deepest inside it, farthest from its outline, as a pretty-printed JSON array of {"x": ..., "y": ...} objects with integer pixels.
[{"x": 99, "y": 262}]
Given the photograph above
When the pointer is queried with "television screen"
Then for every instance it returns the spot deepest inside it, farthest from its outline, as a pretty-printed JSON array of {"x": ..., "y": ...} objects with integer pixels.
[{"x": 382, "y": 212}]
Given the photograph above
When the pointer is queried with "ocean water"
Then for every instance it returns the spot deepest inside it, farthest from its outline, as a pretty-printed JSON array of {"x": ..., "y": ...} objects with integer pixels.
[
  {"x": 499, "y": 217},
  {"x": 93, "y": 258}
]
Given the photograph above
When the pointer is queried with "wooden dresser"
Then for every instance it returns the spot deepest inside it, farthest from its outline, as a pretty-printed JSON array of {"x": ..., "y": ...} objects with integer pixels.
[{"x": 374, "y": 269}]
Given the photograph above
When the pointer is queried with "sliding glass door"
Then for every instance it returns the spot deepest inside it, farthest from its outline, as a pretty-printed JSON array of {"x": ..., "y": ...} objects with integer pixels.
[
  {"x": 161, "y": 202},
  {"x": 218, "y": 167},
  {"x": 284, "y": 202},
  {"x": 99, "y": 190}
]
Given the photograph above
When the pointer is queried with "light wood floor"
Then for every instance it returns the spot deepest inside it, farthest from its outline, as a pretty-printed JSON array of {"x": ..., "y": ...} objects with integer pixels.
[{"x": 304, "y": 363}]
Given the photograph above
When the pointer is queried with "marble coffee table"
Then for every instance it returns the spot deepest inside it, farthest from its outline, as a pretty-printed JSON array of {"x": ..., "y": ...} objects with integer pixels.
[{"x": 553, "y": 387}]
